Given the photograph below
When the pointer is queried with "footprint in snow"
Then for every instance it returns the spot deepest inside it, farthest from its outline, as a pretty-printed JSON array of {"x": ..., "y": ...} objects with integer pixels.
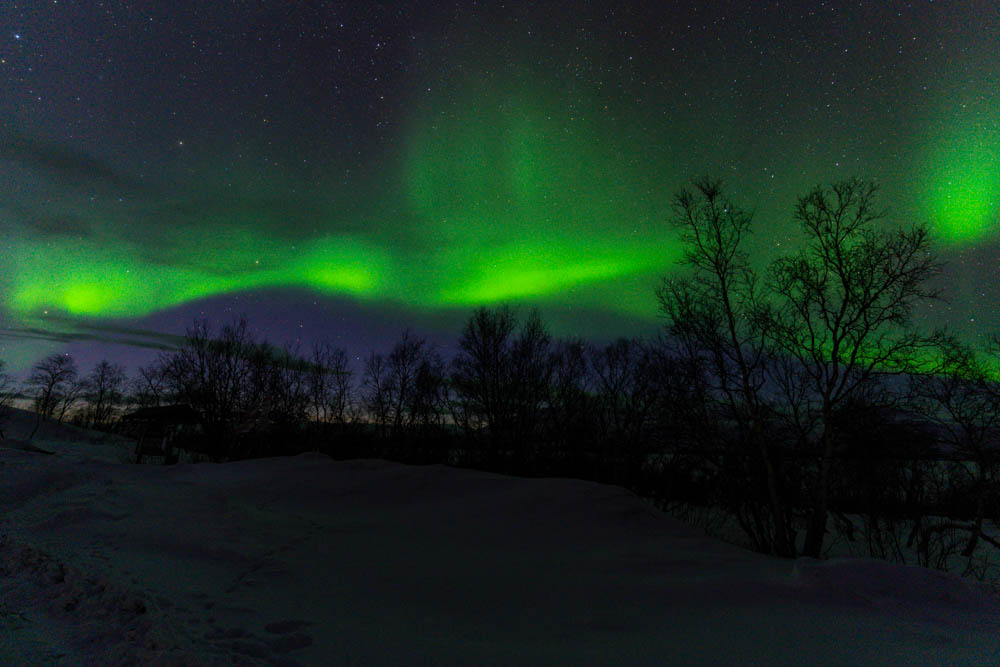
[
  {"x": 292, "y": 642},
  {"x": 284, "y": 627}
]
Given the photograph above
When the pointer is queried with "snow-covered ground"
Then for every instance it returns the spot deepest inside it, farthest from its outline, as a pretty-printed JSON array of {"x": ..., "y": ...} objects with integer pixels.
[
  {"x": 64, "y": 439},
  {"x": 306, "y": 560}
]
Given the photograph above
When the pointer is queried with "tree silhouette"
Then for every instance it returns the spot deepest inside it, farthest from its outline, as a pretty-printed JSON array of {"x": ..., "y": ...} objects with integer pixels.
[
  {"x": 330, "y": 384},
  {"x": 714, "y": 315},
  {"x": 53, "y": 384},
  {"x": 629, "y": 381},
  {"x": 6, "y": 396},
  {"x": 961, "y": 397},
  {"x": 149, "y": 388},
  {"x": 214, "y": 376},
  {"x": 842, "y": 308},
  {"x": 102, "y": 392},
  {"x": 501, "y": 379},
  {"x": 377, "y": 391},
  {"x": 480, "y": 372}
]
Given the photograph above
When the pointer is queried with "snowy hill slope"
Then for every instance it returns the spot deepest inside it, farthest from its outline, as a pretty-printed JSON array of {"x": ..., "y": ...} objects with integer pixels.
[
  {"x": 306, "y": 560},
  {"x": 66, "y": 439}
]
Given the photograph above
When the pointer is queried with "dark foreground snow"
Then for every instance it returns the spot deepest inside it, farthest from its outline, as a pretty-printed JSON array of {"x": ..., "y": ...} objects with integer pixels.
[{"x": 306, "y": 560}]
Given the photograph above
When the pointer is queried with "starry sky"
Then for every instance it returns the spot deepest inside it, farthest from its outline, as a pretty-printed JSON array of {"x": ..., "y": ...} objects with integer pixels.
[{"x": 344, "y": 170}]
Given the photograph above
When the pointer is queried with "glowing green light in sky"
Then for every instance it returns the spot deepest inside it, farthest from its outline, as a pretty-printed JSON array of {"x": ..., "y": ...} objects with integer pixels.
[
  {"x": 544, "y": 271},
  {"x": 963, "y": 177},
  {"x": 112, "y": 280},
  {"x": 515, "y": 199},
  {"x": 510, "y": 199}
]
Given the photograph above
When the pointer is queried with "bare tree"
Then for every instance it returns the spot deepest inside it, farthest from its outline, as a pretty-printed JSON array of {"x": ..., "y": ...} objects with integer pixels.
[
  {"x": 330, "y": 384},
  {"x": 405, "y": 388},
  {"x": 960, "y": 397},
  {"x": 6, "y": 396},
  {"x": 149, "y": 387},
  {"x": 480, "y": 371},
  {"x": 102, "y": 392},
  {"x": 377, "y": 391},
  {"x": 529, "y": 385},
  {"x": 214, "y": 375},
  {"x": 629, "y": 384},
  {"x": 842, "y": 308},
  {"x": 570, "y": 417},
  {"x": 714, "y": 315},
  {"x": 287, "y": 386},
  {"x": 402, "y": 364},
  {"x": 53, "y": 384},
  {"x": 428, "y": 402},
  {"x": 69, "y": 398},
  {"x": 501, "y": 380}
]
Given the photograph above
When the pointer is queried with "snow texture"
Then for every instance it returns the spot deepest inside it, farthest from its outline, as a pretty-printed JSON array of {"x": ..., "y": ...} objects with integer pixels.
[{"x": 309, "y": 561}]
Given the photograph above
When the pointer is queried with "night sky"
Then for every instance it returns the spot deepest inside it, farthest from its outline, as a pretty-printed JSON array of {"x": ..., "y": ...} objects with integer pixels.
[{"x": 344, "y": 170}]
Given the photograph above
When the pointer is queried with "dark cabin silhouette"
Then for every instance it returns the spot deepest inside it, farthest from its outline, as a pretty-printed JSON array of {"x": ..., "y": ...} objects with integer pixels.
[{"x": 158, "y": 430}]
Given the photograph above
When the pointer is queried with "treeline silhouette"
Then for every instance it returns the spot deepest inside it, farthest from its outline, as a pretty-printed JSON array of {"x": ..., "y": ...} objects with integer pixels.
[{"x": 793, "y": 409}]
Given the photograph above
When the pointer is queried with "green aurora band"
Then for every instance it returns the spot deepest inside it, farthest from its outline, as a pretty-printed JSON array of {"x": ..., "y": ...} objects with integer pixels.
[
  {"x": 961, "y": 184},
  {"x": 506, "y": 200},
  {"x": 495, "y": 206}
]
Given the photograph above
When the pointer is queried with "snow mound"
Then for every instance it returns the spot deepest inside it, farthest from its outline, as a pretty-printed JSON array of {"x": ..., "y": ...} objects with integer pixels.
[
  {"x": 897, "y": 588},
  {"x": 91, "y": 611},
  {"x": 306, "y": 560},
  {"x": 65, "y": 439}
]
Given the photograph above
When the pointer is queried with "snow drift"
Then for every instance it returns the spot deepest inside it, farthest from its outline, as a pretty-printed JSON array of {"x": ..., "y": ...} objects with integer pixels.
[{"x": 306, "y": 560}]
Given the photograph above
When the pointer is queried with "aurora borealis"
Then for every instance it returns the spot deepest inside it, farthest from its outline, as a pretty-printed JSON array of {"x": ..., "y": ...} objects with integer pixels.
[{"x": 159, "y": 163}]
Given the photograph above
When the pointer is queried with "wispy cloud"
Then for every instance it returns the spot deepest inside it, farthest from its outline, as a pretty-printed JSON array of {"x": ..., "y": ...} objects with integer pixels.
[
  {"x": 44, "y": 224},
  {"x": 58, "y": 329},
  {"x": 68, "y": 164},
  {"x": 65, "y": 330}
]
